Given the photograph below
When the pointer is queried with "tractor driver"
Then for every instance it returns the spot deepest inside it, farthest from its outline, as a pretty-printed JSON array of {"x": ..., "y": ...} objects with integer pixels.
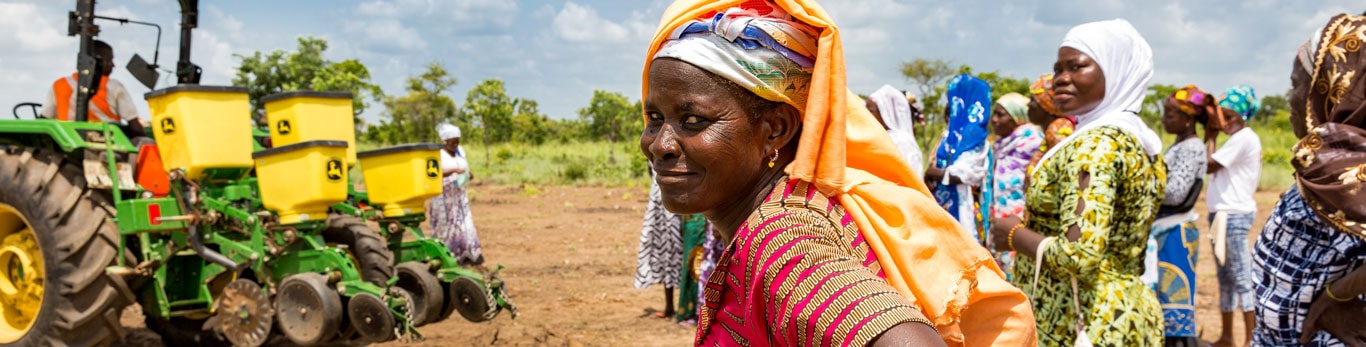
[{"x": 111, "y": 103}]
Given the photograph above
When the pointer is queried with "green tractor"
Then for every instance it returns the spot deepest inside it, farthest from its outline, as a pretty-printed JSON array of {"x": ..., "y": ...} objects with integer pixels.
[{"x": 221, "y": 241}]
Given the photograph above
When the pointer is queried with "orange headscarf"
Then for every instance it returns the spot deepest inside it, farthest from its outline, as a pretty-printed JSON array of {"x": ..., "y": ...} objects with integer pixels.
[{"x": 847, "y": 154}]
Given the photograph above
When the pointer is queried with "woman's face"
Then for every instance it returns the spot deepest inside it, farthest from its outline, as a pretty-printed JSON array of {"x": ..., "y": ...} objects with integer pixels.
[
  {"x": 1173, "y": 120},
  {"x": 705, "y": 148},
  {"x": 1078, "y": 83},
  {"x": 1038, "y": 115},
  {"x": 1001, "y": 122},
  {"x": 872, "y": 107},
  {"x": 452, "y": 145},
  {"x": 1299, "y": 95}
]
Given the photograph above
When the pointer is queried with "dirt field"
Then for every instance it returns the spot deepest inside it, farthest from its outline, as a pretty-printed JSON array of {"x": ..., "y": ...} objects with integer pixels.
[{"x": 570, "y": 258}]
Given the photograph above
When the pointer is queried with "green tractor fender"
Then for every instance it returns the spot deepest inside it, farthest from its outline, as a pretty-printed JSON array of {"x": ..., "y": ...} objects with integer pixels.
[
  {"x": 63, "y": 136},
  {"x": 102, "y": 149}
]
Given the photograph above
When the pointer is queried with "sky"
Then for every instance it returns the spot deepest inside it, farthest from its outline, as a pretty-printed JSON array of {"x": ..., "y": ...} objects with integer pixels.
[{"x": 559, "y": 52}]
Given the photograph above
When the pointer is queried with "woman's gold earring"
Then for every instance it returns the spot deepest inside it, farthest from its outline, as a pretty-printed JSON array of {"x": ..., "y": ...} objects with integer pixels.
[{"x": 773, "y": 159}]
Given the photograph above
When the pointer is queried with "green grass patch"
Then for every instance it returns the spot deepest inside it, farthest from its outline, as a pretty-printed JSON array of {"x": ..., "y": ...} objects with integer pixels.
[
  {"x": 622, "y": 165},
  {"x": 580, "y": 164}
]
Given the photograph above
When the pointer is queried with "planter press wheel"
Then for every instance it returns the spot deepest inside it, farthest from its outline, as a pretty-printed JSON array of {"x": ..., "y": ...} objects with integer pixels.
[
  {"x": 426, "y": 292},
  {"x": 308, "y": 311},
  {"x": 371, "y": 318},
  {"x": 472, "y": 300}
]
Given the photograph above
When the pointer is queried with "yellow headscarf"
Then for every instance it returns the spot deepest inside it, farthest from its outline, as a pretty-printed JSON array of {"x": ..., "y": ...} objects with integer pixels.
[{"x": 847, "y": 154}]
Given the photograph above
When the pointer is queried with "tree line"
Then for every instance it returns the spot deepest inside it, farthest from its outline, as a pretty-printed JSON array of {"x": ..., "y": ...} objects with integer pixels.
[{"x": 487, "y": 115}]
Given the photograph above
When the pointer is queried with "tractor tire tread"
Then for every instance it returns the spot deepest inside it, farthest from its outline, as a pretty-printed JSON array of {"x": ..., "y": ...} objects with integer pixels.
[{"x": 78, "y": 240}]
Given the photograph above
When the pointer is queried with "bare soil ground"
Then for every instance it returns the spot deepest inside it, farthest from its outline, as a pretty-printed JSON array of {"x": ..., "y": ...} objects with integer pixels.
[{"x": 570, "y": 257}]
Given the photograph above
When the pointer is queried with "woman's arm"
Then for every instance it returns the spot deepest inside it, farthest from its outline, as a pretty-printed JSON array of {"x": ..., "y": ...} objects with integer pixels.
[
  {"x": 934, "y": 175},
  {"x": 970, "y": 168},
  {"x": 908, "y": 334},
  {"x": 1089, "y": 225},
  {"x": 1339, "y": 318}
]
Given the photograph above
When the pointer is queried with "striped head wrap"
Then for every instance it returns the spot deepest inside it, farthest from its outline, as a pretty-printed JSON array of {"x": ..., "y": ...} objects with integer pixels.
[{"x": 761, "y": 49}]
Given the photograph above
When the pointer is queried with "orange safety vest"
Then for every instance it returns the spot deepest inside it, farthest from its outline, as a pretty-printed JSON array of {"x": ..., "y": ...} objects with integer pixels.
[{"x": 64, "y": 91}]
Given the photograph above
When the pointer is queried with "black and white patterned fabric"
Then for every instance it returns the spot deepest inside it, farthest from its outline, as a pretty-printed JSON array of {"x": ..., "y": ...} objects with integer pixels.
[
  {"x": 1296, "y": 255},
  {"x": 660, "y": 259},
  {"x": 1185, "y": 164},
  {"x": 1235, "y": 276}
]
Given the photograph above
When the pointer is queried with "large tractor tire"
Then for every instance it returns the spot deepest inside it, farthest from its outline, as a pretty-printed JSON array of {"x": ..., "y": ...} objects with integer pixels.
[
  {"x": 372, "y": 255},
  {"x": 56, "y": 239}
]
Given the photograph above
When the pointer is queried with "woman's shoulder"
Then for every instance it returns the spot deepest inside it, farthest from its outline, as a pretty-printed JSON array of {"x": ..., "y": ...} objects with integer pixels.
[
  {"x": 1107, "y": 137},
  {"x": 1030, "y": 130},
  {"x": 1190, "y": 145},
  {"x": 796, "y": 203},
  {"x": 1106, "y": 144}
]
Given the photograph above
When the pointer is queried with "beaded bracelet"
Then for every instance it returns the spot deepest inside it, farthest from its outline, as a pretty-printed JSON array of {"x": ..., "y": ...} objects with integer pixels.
[{"x": 1010, "y": 238}]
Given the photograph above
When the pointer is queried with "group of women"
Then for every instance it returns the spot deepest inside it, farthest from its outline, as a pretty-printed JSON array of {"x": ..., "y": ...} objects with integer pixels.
[{"x": 830, "y": 236}]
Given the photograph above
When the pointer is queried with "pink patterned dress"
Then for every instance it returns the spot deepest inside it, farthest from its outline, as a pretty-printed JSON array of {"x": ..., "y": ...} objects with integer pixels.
[{"x": 798, "y": 273}]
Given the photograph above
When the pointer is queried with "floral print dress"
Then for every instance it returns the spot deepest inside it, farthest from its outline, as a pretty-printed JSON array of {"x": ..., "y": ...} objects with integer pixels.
[
  {"x": 1113, "y": 212},
  {"x": 1012, "y": 157}
]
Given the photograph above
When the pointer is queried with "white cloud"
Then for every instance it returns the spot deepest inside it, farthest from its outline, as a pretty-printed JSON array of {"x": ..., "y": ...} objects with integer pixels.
[
  {"x": 387, "y": 35},
  {"x": 445, "y": 15},
  {"x": 22, "y": 26},
  {"x": 577, "y": 23}
]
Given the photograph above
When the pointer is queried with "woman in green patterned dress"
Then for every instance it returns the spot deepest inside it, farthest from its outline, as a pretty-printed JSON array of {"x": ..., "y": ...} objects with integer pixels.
[{"x": 1092, "y": 200}]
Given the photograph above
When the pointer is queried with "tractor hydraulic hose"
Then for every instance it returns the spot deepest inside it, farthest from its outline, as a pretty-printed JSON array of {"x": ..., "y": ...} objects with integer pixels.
[
  {"x": 209, "y": 254},
  {"x": 198, "y": 245}
]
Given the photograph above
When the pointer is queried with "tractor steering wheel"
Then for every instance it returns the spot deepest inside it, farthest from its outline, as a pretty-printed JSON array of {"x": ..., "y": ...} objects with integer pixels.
[{"x": 32, "y": 105}]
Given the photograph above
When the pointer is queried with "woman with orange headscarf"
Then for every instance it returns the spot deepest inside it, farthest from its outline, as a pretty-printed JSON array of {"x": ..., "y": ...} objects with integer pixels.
[{"x": 830, "y": 239}]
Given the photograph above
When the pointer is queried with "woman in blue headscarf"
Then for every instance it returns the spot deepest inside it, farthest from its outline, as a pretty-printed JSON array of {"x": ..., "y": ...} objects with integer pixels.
[{"x": 960, "y": 163}]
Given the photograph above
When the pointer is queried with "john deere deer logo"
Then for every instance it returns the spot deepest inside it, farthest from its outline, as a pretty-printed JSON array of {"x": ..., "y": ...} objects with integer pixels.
[
  {"x": 433, "y": 168},
  {"x": 283, "y": 127},
  {"x": 167, "y": 126},
  {"x": 334, "y": 170}
]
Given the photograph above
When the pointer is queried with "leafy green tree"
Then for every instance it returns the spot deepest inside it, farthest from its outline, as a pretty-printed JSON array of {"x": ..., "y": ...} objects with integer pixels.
[
  {"x": 1152, "y": 104},
  {"x": 569, "y": 130},
  {"x": 414, "y": 117},
  {"x": 928, "y": 74},
  {"x": 489, "y": 109},
  {"x": 529, "y": 125},
  {"x": 1272, "y": 106},
  {"x": 305, "y": 69},
  {"x": 611, "y": 116},
  {"x": 1002, "y": 85}
]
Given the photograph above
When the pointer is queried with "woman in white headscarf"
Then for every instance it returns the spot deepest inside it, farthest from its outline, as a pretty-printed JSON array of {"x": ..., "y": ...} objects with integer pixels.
[
  {"x": 893, "y": 109},
  {"x": 1091, "y": 200},
  {"x": 449, "y": 214}
]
